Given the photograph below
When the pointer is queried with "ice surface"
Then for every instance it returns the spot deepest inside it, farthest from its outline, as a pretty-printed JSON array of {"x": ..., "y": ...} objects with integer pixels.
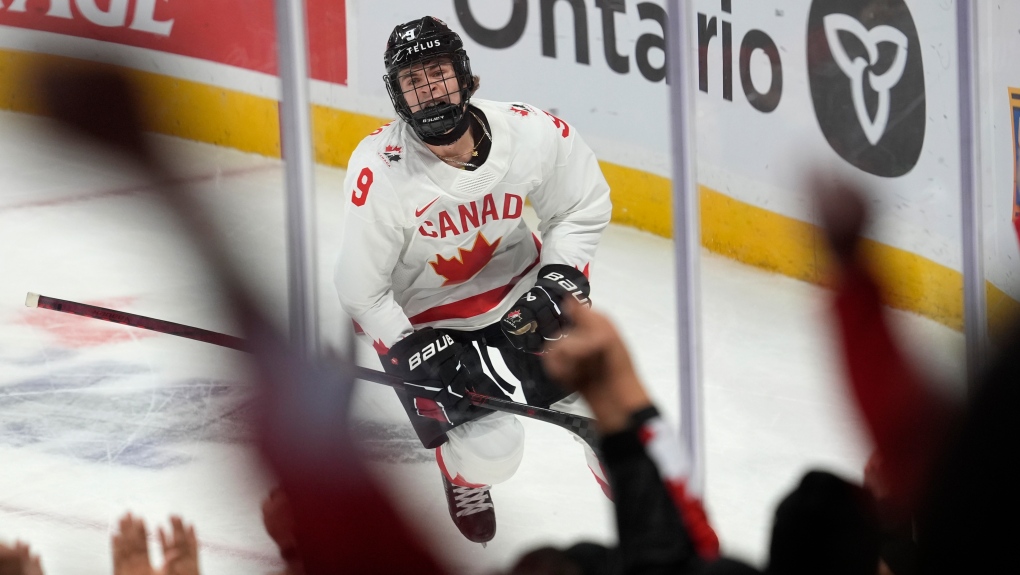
[{"x": 97, "y": 419}]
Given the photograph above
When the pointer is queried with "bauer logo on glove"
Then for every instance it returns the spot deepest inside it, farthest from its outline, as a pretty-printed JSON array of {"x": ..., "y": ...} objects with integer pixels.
[
  {"x": 563, "y": 283},
  {"x": 429, "y": 350},
  {"x": 449, "y": 370},
  {"x": 537, "y": 317}
]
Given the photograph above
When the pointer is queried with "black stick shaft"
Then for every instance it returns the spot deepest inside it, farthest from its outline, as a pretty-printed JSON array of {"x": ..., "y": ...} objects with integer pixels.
[
  {"x": 581, "y": 426},
  {"x": 140, "y": 321}
]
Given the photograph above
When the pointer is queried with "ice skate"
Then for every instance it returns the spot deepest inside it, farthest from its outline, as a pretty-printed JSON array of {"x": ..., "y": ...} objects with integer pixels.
[{"x": 472, "y": 511}]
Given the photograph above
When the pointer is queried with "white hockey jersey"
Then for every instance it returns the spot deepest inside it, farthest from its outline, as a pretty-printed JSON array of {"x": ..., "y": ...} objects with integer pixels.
[{"x": 427, "y": 244}]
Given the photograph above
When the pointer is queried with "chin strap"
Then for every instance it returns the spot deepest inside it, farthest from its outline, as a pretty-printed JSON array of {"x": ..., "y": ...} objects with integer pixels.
[{"x": 453, "y": 135}]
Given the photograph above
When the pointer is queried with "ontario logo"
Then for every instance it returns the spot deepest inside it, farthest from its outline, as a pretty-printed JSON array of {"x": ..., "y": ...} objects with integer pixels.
[{"x": 867, "y": 83}]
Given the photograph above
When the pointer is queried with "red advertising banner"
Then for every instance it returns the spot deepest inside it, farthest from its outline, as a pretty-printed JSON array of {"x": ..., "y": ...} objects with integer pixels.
[{"x": 239, "y": 33}]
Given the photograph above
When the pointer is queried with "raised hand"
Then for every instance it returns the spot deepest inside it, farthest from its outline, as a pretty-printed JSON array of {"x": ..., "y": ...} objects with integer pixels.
[
  {"x": 278, "y": 519},
  {"x": 18, "y": 560},
  {"x": 180, "y": 548},
  {"x": 594, "y": 361},
  {"x": 131, "y": 548}
]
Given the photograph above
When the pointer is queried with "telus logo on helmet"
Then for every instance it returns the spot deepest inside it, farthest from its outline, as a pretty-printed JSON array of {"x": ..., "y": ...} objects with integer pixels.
[
  {"x": 867, "y": 83},
  {"x": 417, "y": 48}
]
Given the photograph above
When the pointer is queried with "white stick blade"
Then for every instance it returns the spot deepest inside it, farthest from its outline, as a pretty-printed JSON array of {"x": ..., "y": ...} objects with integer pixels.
[{"x": 32, "y": 300}]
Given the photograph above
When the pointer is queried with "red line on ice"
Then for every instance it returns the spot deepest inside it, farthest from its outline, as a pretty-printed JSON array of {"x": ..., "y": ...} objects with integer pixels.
[
  {"x": 268, "y": 559},
  {"x": 127, "y": 191}
]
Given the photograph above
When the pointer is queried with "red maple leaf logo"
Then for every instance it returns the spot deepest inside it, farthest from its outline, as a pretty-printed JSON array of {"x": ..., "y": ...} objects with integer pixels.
[
  {"x": 466, "y": 263},
  {"x": 394, "y": 149},
  {"x": 380, "y": 347},
  {"x": 517, "y": 108}
]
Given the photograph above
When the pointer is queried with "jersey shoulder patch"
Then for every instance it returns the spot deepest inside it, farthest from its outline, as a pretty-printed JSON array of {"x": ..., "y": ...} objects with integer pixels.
[
  {"x": 541, "y": 123},
  {"x": 510, "y": 110},
  {"x": 391, "y": 154},
  {"x": 521, "y": 110},
  {"x": 385, "y": 147}
]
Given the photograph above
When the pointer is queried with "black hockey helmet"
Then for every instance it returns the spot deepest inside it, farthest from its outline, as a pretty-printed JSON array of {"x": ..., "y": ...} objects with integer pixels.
[{"x": 416, "y": 42}]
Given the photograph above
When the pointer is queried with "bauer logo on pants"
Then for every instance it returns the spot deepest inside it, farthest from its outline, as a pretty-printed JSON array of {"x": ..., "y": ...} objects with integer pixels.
[{"x": 867, "y": 82}]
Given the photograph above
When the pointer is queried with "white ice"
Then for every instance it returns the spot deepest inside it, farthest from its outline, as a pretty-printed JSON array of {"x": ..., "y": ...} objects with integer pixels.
[{"x": 97, "y": 419}]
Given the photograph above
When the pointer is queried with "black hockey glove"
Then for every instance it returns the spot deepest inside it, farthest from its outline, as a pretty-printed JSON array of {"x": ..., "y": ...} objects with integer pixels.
[
  {"x": 537, "y": 317},
  {"x": 429, "y": 361}
]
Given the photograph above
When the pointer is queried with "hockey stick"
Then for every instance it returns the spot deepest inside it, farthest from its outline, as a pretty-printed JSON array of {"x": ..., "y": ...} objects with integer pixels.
[{"x": 580, "y": 426}]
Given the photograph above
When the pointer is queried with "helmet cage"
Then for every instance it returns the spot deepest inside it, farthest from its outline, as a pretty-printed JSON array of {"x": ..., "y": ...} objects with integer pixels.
[{"x": 431, "y": 40}]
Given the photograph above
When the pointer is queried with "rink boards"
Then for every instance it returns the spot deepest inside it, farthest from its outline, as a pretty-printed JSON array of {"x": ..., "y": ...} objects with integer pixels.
[{"x": 767, "y": 113}]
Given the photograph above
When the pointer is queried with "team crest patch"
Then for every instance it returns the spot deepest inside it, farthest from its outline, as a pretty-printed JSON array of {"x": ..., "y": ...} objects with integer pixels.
[
  {"x": 520, "y": 109},
  {"x": 391, "y": 154},
  {"x": 513, "y": 318}
]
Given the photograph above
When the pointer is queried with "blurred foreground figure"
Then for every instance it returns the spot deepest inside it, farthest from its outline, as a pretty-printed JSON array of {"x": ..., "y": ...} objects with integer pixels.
[
  {"x": 826, "y": 525},
  {"x": 342, "y": 522},
  {"x": 438, "y": 267},
  {"x": 662, "y": 528},
  {"x": 946, "y": 466}
]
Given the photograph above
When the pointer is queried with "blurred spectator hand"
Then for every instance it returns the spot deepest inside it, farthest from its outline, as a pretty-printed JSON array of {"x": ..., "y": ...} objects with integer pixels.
[
  {"x": 180, "y": 549},
  {"x": 278, "y": 517},
  {"x": 131, "y": 548},
  {"x": 874, "y": 478},
  {"x": 594, "y": 361},
  {"x": 18, "y": 560}
]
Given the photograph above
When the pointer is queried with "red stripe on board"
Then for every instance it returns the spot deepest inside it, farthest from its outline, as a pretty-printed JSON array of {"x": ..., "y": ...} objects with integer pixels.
[{"x": 239, "y": 33}]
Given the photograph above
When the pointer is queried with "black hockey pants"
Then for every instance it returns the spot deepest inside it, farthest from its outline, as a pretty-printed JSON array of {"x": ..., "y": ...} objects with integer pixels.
[{"x": 508, "y": 368}]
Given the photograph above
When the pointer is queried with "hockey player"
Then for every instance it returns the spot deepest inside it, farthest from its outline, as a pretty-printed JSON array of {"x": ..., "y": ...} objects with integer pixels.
[{"x": 438, "y": 267}]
